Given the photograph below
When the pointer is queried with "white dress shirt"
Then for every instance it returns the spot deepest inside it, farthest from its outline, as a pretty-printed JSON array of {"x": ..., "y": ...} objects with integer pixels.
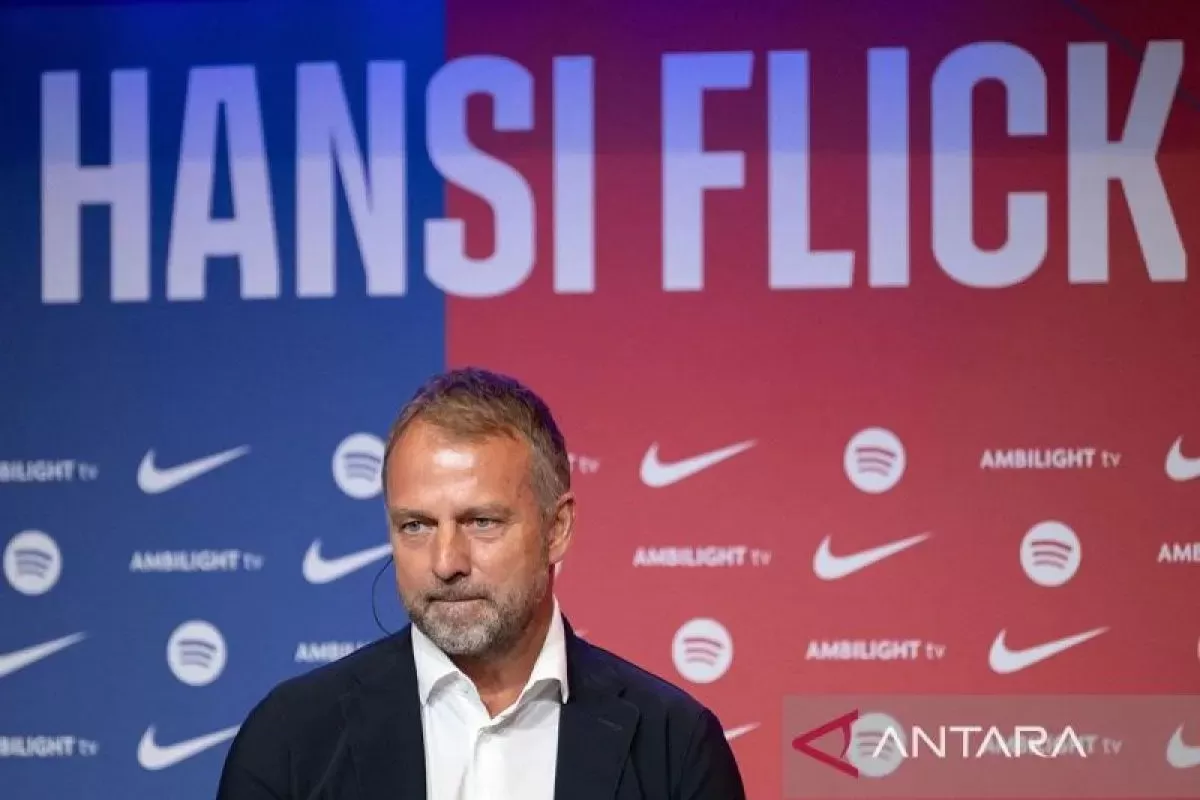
[{"x": 471, "y": 756}]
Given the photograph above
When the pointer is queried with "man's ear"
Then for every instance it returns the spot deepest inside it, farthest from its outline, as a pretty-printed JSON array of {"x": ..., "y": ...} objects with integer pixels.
[{"x": 562, "y": 527}]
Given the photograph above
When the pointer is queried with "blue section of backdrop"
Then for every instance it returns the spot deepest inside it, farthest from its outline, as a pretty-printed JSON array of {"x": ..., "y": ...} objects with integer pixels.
[{"x": 103, "y": 383}]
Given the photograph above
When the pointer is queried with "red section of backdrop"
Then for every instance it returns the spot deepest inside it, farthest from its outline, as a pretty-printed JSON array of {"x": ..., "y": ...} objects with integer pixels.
[{"x": 953, "y": 371}]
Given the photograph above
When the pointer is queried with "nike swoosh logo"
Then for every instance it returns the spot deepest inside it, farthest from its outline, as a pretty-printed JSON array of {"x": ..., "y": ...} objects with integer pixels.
[
  {"x": 829, "y": 567},
  {"x": 1180, "y": 755},
  {"x": 19, "y": 659},
  {"x": 1005, "y": 661},
  {"x": 318, "y": 569},
  {"x": 733, "y": 733},
  {"x": 153, "y": 480},
  {"x": 1179, "y": 467},
  {"x": 153, "y": 757},
  {"x": 657, "y": 474}
]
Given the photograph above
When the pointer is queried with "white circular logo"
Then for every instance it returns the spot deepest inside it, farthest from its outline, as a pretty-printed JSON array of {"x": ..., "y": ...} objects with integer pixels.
[
  {"x": 32, "y": 563},
  {"x": 1050, "y": 553},
  {"x": 196, "y": 653},
  {"x": 874, "y": 460},
  {"x": 702, "y": 650},
  {"x": 873, "y": 750},
  {"x": 358, "y": 465}
]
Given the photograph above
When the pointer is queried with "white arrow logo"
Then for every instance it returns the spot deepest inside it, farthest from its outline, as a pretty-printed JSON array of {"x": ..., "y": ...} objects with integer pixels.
[
  {"x": 19, "y": 659},
  {"x": 733, "y": 733},
  {"x": 153, "y": 757},
  {"x": 153, "y": 480},
  {"x": 1004, "y": 661},
  {"x": 829, "y": 567},
  {"x": 318, "y": 569},
  {"x": 1179, "y": 467},
  {"x": 657, "y": 474},
  {"x": 1180, "y": 755}
]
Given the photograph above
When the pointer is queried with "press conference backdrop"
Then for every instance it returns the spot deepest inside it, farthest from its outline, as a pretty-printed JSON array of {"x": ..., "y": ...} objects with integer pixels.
[{"x": 873, "y": 330}]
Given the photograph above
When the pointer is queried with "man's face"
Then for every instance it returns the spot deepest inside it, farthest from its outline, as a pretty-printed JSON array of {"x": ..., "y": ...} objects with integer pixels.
[{"x": 472, "y": 550}]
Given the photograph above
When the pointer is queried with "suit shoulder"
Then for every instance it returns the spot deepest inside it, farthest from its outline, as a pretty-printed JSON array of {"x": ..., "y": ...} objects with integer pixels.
[
  {"x": 299, "y": 723},
  {"x": 681, "y": 737},
  {"x": 647, "y": 690},
  {"x": 321, "y": 687}
]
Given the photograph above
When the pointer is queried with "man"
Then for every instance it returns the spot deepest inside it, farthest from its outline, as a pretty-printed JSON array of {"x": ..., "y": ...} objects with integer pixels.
[{"x": 487, "y": 693}]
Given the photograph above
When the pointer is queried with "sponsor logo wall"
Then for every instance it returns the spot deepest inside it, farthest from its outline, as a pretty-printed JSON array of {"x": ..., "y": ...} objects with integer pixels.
[{"x": 874, "y": 336}]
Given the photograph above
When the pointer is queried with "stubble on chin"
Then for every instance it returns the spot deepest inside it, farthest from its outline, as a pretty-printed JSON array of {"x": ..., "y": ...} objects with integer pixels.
[
  {"x": 475, "y": 637},
  {"x": 492, "y": 631}
]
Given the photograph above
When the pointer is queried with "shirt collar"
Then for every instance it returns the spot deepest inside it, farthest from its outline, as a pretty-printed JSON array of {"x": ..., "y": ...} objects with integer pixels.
[{"x": 435, "y": 669}]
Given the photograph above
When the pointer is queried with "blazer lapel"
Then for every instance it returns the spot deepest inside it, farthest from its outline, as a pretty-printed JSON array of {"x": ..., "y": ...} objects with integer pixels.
[
  {"x": 595, "y": 729},
  {"x": 386, "y": 740}
]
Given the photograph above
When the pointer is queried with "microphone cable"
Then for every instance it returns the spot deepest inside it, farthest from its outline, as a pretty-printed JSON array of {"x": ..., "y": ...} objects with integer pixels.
[{"x": 374, "y": 584}]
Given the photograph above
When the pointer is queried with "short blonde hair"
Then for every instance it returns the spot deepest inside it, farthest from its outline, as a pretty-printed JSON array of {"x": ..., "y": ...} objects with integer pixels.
[{"x": 475, "y": 403}]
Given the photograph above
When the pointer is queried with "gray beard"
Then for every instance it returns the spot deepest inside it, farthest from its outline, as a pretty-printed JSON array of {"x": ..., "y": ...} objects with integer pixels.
[{"x": 492, "y": 632}]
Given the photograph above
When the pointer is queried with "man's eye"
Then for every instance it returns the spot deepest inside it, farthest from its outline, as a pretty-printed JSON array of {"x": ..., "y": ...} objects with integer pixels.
[
  {"x": 484, "y": 522},
  {"x": 412, "y": 526}
]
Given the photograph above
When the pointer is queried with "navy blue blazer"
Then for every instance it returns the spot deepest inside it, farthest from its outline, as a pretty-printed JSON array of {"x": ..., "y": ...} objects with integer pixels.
[{"x": 351, "y": 730}]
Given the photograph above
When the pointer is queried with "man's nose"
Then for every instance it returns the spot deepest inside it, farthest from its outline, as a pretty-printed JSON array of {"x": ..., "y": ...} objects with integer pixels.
[{"x": 451, "y": 552}]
